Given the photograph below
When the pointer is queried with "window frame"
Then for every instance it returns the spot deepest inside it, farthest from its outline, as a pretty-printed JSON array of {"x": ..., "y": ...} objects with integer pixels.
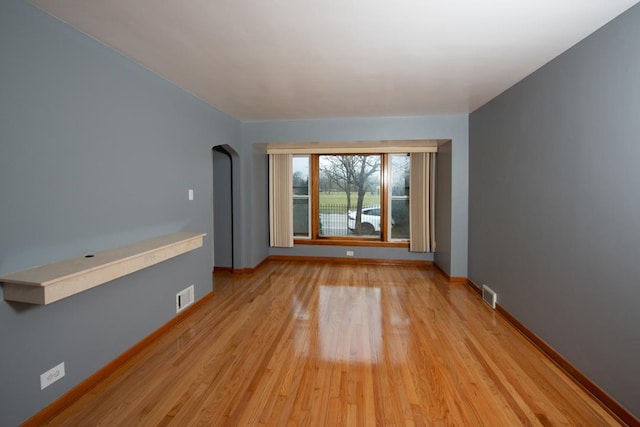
[
  {"x": 307, "y": 197},
  {"x": 391, "y": 197},
  {"x": 383, "y": 240}
]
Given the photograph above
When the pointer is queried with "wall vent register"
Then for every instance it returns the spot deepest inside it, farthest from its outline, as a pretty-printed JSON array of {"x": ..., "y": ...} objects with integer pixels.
[
  {"x": 489, "y": 296},
  {"x": 184, "y": 298}
]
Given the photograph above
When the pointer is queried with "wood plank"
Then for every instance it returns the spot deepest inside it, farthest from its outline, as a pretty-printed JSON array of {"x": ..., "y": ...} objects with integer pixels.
[
  {"x": 88, "y": 384},
  {"x": 317, "y": 343},
  {"x": 351, "y": 260},
  {"x": 52, "y": 282}
]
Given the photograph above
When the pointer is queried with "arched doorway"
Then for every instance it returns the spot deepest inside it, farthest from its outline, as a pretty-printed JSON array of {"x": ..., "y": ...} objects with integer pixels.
[{"x": 223, "y": 222}]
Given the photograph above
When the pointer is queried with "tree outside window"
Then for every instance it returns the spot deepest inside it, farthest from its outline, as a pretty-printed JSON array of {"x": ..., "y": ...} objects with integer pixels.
[
  {"x": 349, "y": 203},
  {"x": 346, "y": 196}
]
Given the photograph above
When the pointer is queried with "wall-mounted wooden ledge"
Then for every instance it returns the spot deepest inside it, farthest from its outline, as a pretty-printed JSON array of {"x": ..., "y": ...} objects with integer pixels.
[{"x": 52, "y": 282}]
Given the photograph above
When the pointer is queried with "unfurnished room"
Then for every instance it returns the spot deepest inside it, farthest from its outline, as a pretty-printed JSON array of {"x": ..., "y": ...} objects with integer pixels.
[{"x": 323, "y": 213}]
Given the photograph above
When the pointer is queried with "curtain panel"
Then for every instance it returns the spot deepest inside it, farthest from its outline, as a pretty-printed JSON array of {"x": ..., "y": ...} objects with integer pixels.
[
  {"x": 280, "y": 201},
  {"x": 422, "y": 202}
]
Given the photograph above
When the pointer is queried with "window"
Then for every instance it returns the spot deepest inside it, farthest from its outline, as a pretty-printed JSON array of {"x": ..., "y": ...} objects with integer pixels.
[
  {"x": 378, "y": 193},
  {"x": 399, "y": 178},
  {"x": 349, "y": 199},
  {"x": 301, "y": 212}
]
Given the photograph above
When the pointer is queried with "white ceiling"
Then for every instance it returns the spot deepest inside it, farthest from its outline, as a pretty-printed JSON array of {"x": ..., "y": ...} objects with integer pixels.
[{"x": 292, "y": 59}]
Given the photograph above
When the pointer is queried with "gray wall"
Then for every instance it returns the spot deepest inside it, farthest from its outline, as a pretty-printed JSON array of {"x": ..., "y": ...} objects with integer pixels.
[
  {"x": 95, "y": 152},
  {"x": 444, "y": 176},
  {"x": 455, "y": 127},
  {"x": 555, "y": 200}
]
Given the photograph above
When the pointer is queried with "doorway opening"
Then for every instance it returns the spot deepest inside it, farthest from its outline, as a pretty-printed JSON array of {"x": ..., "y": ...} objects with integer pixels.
[{"x": 223, "y": 207}]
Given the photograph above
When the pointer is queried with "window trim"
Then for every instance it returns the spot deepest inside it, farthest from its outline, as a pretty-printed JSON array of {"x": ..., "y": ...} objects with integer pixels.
[
  {"x": 352, "y": 241},
  {"x": 392, "y": 198},
  {"x": 384, "y": 147},
  {"x": 356, "y": 147},
  {"x": 380, "y": 241},
  {"x": 307, "y": 197}
]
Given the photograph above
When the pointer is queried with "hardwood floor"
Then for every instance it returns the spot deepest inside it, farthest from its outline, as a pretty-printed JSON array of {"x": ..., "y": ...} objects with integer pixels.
[{"x": 311, "y": 343}]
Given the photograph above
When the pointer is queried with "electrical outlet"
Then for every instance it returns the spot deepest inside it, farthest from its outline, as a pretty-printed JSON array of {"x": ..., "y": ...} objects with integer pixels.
[
  {"x": 51, "y": 376},
  {"x": 190, "y": 194},
  {"x": 349, "y": 253}
]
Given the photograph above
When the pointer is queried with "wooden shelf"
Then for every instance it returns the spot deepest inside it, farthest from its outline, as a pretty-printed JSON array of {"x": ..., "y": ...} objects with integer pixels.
[{"x": 52, "y": 282}]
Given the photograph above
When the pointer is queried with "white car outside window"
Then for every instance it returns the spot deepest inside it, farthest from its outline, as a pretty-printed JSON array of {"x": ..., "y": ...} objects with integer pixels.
[{"x": 370, "y": 220}]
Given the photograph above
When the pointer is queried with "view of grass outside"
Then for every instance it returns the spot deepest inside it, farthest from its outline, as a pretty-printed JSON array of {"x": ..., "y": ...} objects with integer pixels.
[
  {"x": 348, "y": 183},
  {"x": 340, "y": 198},
  {"x": 349, "y": 195}
]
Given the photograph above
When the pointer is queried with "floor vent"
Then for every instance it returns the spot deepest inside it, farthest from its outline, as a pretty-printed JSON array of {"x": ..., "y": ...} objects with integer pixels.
[
  {"x": 184, "y": 298},
  {"x": 489, "y": 296}
]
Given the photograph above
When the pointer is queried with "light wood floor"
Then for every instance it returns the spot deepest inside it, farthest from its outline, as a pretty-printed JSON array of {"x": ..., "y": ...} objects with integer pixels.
[{"x": 306, "y": 343}]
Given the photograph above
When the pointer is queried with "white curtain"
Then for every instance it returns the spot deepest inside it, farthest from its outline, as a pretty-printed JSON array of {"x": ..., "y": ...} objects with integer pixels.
[
  {"x": 422, "y": 202},
  {"x": 280, "y": 201}
]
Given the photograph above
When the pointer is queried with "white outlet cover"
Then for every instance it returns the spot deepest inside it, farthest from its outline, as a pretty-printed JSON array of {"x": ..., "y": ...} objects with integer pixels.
[
  {"x": 190, "y": 194},
  {"x": 51, "y": 376}
]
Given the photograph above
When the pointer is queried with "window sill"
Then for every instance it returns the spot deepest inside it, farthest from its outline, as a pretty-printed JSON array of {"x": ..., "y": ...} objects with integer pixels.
[{"x": 351, "y": 242}]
